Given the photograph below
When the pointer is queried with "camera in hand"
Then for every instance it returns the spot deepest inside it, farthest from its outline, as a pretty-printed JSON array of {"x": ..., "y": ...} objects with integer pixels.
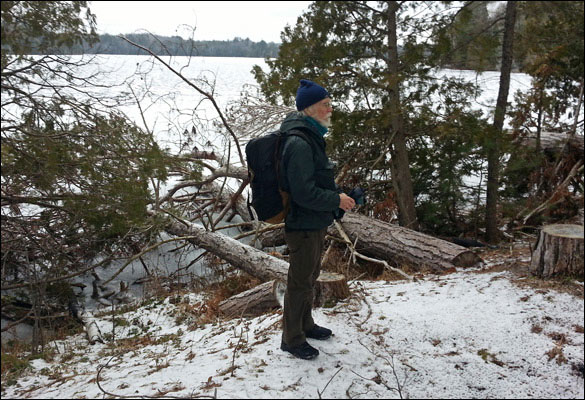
[{"x": 358, "y": 195}]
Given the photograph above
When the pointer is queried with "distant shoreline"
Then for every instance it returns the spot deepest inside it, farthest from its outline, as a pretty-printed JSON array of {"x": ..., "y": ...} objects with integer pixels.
[{"x": 170, "y": 46}]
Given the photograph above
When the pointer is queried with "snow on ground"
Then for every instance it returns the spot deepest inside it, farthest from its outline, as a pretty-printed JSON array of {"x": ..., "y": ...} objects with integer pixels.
[{"x": 469, "y": 334}]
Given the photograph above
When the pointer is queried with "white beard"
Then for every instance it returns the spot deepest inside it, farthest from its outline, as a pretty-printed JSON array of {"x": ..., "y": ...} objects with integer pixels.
[{"x": 326, "y": 122}]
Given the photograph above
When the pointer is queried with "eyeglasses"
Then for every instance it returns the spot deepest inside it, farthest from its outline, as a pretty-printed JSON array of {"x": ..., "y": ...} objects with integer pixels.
[{"x": 327, "y": 104}]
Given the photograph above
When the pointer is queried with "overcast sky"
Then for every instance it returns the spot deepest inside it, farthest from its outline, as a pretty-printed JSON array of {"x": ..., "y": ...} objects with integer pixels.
[{"x": 214, "y": 20}]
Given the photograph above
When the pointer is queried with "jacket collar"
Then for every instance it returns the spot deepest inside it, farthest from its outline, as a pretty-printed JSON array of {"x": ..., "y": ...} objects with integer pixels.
[{"x": 320, "y": 128}]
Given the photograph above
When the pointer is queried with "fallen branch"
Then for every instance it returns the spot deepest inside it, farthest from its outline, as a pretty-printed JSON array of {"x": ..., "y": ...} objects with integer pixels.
[{"x": 555, "y": 198}]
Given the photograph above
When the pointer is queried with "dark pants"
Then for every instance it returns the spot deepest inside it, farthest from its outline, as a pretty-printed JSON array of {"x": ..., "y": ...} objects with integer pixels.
[{"x": 305, "y": 264}]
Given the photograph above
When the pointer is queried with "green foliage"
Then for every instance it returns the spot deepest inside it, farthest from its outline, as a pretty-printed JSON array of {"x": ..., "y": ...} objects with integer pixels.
[
  {"x": 344, "y": 47},
  {"x": 76, "y": 175},
  {"x": 98, "y": 171},
  {"x": 45, "y": 26},
  {"x": 447, "y": 149},
  {"x": 551, "y": 40}
]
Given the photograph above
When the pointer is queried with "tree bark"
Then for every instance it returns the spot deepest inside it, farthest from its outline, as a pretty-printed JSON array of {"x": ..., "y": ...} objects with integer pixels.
[
  {"x": 329, "y": 288},
  {"x": 391, "y": 242},
  {"x": 385, "y": 241},
  {"x": 558, "y": 251},
  {"x": 493, "y": 156},
  {"x": 400, "y": 167},
  {"x": 402, "y": 245},
  {"x": 253, "y": 261},
  {"x": 88, "y": 321},
  {"x": 255, "y": 301}
]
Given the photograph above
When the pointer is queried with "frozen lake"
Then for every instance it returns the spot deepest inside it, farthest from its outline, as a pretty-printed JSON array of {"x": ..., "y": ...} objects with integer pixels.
[{"x": 170, "y": 105}]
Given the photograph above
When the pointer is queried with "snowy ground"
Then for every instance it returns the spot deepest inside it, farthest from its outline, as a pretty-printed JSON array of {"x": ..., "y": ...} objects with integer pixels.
[{"x": 469, "y": 334}]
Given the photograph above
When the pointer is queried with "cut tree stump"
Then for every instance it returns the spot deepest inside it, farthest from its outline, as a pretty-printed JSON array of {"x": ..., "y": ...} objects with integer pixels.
[
  {"x": 255, "y": 301},
  {"x": 558, "y": 251},
  {"x": 329, "y": 288}
]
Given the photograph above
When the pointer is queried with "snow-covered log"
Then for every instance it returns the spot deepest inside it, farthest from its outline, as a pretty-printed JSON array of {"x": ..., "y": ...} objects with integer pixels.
[
  {"x": 89, "y": 322},
  {"x": 253, "y": 261},
  {"x": 555, "y": 141}
]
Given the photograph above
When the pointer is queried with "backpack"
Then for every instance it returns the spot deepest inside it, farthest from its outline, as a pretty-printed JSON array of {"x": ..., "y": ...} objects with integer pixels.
[{"x": 263, "y": 155}]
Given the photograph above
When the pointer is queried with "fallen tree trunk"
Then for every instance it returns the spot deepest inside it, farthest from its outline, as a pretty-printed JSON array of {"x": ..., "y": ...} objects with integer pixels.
[
  {"x": 394, "y": 243},
  {"x": 554, "y": 142},
  {"x": 255, "y": 301},
  {"x": 402, "y": 245},
  {"x": 88, "y": 321},
  {"x": 330, "y": 287},
  {"x": 375, "y": 238},
  {"x": 253, "y": 261}
]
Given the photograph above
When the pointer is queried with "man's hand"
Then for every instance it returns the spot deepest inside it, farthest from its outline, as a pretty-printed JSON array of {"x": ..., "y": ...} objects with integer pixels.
[{"x": 346, "y": 203}]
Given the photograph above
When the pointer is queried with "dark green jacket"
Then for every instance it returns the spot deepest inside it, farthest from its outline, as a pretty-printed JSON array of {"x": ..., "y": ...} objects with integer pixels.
[{"x": 308, "y": 176}]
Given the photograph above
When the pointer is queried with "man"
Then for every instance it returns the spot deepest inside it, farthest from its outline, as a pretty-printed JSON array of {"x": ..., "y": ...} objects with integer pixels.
[{"x": 307, "y": 175}]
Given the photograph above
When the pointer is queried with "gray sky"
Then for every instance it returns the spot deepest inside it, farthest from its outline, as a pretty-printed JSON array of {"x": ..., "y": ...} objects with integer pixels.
[{"x": 214, "y": 20}]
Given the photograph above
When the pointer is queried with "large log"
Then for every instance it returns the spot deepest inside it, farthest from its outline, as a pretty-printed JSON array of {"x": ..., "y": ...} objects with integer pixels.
[
  {"x": 386, "y": 241},
  {"x": 558, "y": 251},
  {"x": 402, "y": 245},
  {"x": 255, "y": 301},
  {"x": 554, "y": 142},
  {"x": 330, "y": 287}
]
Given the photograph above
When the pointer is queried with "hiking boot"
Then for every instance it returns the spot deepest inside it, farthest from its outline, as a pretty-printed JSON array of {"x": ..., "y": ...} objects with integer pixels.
[
  {"x": 319, "y": 333},
  {"x": 303, "y": 351}
]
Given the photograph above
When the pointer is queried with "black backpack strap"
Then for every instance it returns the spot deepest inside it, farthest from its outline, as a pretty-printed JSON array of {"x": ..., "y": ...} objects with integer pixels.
[{"x": 280, "y": 148}]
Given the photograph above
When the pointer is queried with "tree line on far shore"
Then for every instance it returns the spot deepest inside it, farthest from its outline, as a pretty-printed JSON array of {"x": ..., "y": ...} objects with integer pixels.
[{"x": 176, "y": 46}]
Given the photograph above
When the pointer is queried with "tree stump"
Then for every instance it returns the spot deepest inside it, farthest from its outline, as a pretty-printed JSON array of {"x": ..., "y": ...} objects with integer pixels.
[
  {"x": 329, "y": 288},
  {"x": 255, "y": 301},
  {"x": 558, "y": 251}
]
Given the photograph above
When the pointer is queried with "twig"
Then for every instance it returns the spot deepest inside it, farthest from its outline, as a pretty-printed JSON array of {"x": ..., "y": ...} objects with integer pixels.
[
  {"x": 391, "y": 363},
  {"x": 320, "y": 393},
  {"x": 119, "y": 396},
  {"x": 258, "y": 231}
]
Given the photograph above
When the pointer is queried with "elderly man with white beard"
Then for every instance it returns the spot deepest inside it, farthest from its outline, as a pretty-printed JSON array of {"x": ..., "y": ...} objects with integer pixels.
[{"x": 314, "y": 199}]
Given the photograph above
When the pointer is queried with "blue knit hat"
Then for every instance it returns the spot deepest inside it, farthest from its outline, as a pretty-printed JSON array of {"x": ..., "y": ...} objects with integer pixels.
[{"x": 309, "y": 93}]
